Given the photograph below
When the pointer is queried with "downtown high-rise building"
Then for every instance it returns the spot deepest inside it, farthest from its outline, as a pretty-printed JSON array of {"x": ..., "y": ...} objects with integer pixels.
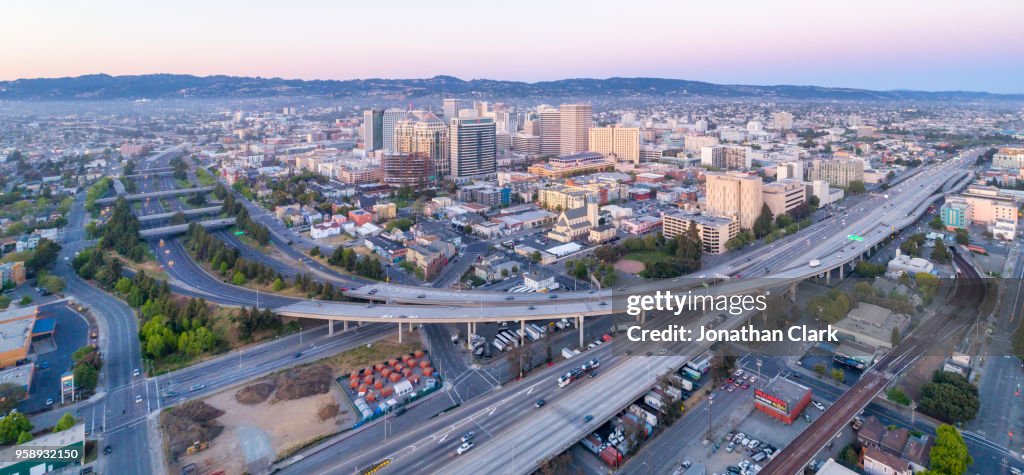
[
  {"x": 550, "y": 122},
  {"x": 473, "y": 147},
  {"x": 373, "y": 129},
  {"x": 574, "y": 127},
  {"x": 451, "y": 108},
  {"x": 421, "y": 133},
  {"x": 391, "y": 117}
]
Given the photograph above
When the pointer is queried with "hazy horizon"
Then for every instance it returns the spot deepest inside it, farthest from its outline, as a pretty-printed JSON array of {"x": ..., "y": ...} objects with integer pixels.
[{"x": 877, "y": 45}]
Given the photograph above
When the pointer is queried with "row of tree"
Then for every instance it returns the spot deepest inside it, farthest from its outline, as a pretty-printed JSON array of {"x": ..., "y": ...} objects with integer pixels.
[
  {"x": 360, "y": 265},
  {"x": 255, "y": 230},
  {"x": 86, "y": 369},
  {"x": 121, "y": 232}
]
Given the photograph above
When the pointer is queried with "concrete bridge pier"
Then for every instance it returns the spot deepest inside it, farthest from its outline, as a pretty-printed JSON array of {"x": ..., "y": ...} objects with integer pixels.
[
  {"x": 579, "y": 323},
  {"x": 522, "y": 332},
  {"x": 330, "y": 327},
  {"x": 344, "y": 325},
  {"x": 792, "y": 292},
  {"x": 828, "y": 277},
  {"x": 399, "y": 332}
]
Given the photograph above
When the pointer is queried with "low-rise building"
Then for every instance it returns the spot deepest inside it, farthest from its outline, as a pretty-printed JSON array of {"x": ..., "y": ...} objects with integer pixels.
[
  {"x": 430, "y": 258},
  {"x": 871, "y": 325},
  {"x": 12, "y": 273},
  {"x": 904, "y": 264},
  {"x": 324, "y": 230},
  {"x": 714, "y": 231},
  {"x": 784, "y": 195}
]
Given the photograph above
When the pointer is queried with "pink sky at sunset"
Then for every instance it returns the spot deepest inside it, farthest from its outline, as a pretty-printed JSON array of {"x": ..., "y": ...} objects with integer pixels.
[{"x": 872, "y": 44}]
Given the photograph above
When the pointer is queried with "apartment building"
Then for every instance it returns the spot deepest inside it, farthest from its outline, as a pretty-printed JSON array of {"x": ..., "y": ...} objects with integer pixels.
[
  {"x": 837, "y": 172},
  {"x": 473, "y": 148},
  {"x": 549, "y": 124},
  {"x": 714, "y": 231},
  {"x": 569, "y": 165},
  {"x": 1009, "y": 158},
  {"x": 726, "y": 157},
  {"x": 622, "y": 142},
  {"x": 422, "y": 133}
]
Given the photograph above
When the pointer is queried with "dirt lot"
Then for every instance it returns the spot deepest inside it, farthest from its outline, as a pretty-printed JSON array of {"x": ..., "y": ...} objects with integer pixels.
[
  {"x": 382, "y": 350},
  {"x": 266, "y": 427}
]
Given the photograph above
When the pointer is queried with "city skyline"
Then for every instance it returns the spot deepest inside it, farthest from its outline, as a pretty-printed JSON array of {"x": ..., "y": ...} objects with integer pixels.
[{"x": 910, "y": 45}]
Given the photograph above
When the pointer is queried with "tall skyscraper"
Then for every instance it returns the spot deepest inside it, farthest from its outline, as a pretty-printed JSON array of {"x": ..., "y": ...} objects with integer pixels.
[
  {"x": 451, "y": 108},
  {"x": 373, "y": 129},
  {"x": 735, "y": 195},
  {"x": 422, "y": 133},
  {"x": 473, "y": 147},
  {"x": 550, "y": 126},
  {"x": 576, "y": 121},
  {"x": 391, "y": 117},
  {"x": 623, "y": 142}
]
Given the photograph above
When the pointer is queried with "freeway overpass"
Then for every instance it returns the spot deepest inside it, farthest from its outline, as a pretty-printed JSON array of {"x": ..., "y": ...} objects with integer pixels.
[
  {"x": 181, "y": 228},
  {"x": 157, "y": 194},
  {"x": 187, "y": 212}
]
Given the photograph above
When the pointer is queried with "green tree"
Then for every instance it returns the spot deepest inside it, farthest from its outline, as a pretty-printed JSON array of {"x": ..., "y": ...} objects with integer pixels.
[
  {"x": 939, "y": 252},
  {"x": 927, "y": 285},
  {"x": 85, "y": 376},
  {"x": 820, "y": 369},
  {"x": 123, "y": 285},
  {"x": 278, "y": 285},
  {"x": 315, "y": 252},
  {"x": 962, "y": 237},
  {"x": 936, "y": 222},
  {"x": 894, "y": 337},
  {"x": 44, "y": 256},
  {"x": 24, "y": 437},
  {"x": 763, "y": 223},
  {"x": 25, "y": 300},
  {"x": 12, "y": 425},
  {"x": 949, "y": 397},
  {"x": 51, "y": 283},
  {"x": 238, "y": 278},
  {"x": 949, "y": 455},
  {"x": 838, "y": 375},
  {"x": 856, "y": 187},
  {"x": 898, "y": 396},
  {"x": 66, "y": 422},
  {"x": 535, "y": 257},
  {"x": 10, "y": 395}
]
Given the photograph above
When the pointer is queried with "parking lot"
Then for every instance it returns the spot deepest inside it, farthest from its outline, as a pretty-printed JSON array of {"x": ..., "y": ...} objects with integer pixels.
[{"x": 53, "y": 357}]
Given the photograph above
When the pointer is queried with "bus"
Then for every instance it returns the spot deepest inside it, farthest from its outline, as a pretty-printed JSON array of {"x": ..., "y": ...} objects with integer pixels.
[
  {"x": 691, "y": 373},
  {"x": 843, "y": 360}
]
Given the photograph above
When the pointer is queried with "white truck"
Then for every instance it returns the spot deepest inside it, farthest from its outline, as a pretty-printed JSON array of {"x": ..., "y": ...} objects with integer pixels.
[
  {"x": 568, "y": 353},
  {"x": 814, "y": 263}
]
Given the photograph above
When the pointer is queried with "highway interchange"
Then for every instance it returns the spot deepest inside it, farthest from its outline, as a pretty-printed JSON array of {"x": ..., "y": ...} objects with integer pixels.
[{"x": 516, "y": 439}]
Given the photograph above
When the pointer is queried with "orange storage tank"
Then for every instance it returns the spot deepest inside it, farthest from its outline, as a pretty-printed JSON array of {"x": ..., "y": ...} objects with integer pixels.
[
  {"x": 353, "y": 383},
  {"x": 395, "y": 377},
  {"x": 424, "y": 364},
  {"x": 386, "y": 391},
  {"x": 428, "y": 371},
  {"x": 362, "y": 388},
  {"x": 411, "y": 363},
  {"x": 378, "y": 384},
  {"x": 418, "y": 353},
  {"x": 367, "y": 370},
  {"x": 378, "y": 366},
  {"x": 399, "y": 367},
  {"x": 385, "y": 372},
  {"x": 406, "y": 357},
  {"x": 392, "y": 362},
  {"x": 414, "y": 379},
  {"x": 371, "y": 397},
  {"x": 368, "y": 379},
  {"x": 407, "y": 372}
]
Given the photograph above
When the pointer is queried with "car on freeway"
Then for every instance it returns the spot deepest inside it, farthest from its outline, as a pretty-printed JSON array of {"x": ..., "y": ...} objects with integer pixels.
[
  {"x": 136, "y": 372},
  {"x": 107, "y": 450},
  {"x": 197, "y": 387},
  {"x": 468, "y": 436},
  {"x": 588, "y": 418},
  {"x": 464, "y": 448},
  {"x": 49, "y": 401},
  {"x": 540, "y": 403},
  {"x": 138, "y": 398}
]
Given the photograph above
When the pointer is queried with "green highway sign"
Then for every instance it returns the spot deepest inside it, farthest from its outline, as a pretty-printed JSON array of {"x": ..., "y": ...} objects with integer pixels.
[
  {"x": 239, "y": 233},
  {"x": 854, "y": 237}
]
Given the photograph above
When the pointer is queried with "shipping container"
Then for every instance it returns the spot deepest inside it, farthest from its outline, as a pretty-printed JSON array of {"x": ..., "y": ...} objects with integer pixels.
[
  {"x": 701, "y": 363},
  {"x": 647, "y": 416},
  {"x": 611, "y": 456},
  {"x": 567, "y": 353}
]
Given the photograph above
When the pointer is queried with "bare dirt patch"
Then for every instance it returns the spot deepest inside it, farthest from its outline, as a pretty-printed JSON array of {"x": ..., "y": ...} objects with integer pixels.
[
  {"x": 191, "y": 422},
  {"x": 629, "y": 265},
  {"x": 297, "y": 383},
  {"x": 255, "y": 393},
  {"x": 255, "y": 434}
]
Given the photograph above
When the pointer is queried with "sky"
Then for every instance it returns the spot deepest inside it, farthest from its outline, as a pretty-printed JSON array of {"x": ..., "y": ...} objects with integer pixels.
[{"x": 876, "y": 44}]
